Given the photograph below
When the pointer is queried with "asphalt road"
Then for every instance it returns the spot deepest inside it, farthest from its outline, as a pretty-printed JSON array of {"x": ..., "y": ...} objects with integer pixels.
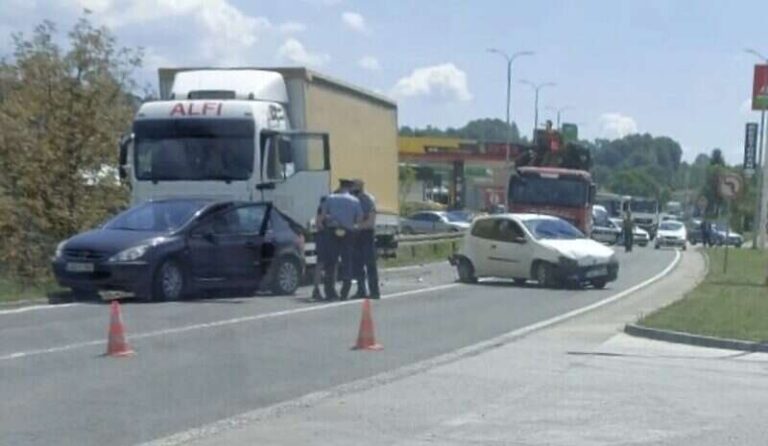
[{"x": 201, "y": 361}]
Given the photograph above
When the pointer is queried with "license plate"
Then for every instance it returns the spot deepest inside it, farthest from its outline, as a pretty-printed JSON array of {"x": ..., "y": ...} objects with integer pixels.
[
  {"x": 76, "y": 267},
  {"x": 597, "y": 272}
]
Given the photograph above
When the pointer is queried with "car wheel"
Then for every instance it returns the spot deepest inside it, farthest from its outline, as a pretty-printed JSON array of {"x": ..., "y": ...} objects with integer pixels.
[
  {"x": 545, "y": 275},
  {"x": 466, "y": 271},
  {"x": 169, "y": 282},
  {"x": 656, "y": 246},
  {"x": 286, "y": 278},
  {"x": 599, "y": 283}
]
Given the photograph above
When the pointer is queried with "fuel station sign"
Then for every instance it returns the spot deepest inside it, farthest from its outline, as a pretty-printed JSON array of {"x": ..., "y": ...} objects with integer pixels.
[{"x": 760, "y": 88}]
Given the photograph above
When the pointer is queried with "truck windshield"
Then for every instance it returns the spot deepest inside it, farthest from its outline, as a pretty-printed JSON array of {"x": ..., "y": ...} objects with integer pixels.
[
  {"x": 194, "y": 149},
  {"x": 645, "y": 206},
  {"x": 548, "y": 191}
]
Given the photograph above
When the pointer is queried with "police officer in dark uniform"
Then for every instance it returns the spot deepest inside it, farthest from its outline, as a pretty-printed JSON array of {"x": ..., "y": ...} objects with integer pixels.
[
  {"x": 321, "y": 251},
  {"x": 365, "y": 245},
  {"x": 341, "y": 213}
]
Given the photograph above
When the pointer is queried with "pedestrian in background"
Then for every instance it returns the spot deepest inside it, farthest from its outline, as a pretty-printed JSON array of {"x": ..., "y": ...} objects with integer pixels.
[
  {"x": 366, "y": 269},
  {"x": 705, "y": 233},
  {"x": 341, "y": 213},
  {"x": 628, "y": 232},
  {"x": 321, "y": 251}
]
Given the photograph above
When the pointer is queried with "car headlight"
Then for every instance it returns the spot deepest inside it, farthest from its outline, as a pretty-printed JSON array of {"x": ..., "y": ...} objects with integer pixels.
[
  {"x": 130, "y": 254},
  {"x": 60, "y": 250}
]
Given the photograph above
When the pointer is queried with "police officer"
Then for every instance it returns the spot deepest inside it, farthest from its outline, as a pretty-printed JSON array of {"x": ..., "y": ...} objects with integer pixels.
[
  {"x": 321, "y": 251},
  {"x": 365, "y": 245},
  {"x": 341, "y": 213}
]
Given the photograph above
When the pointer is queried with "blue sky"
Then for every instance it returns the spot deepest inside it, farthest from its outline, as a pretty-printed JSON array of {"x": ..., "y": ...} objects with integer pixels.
[{"x": 675, "y": 68}]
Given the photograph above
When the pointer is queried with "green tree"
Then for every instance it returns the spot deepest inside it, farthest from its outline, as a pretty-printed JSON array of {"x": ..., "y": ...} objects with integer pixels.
[{"x": 61, "y": 113}]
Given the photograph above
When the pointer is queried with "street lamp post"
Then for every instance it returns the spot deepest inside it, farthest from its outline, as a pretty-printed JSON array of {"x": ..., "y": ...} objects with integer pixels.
[
  {"x": 758, "y": 236},
  {"x": 536, "y": 88},
  {"x": 509, "y": 60}
]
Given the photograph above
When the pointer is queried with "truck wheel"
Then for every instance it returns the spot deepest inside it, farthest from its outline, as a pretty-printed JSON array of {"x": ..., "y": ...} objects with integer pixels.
[
  {"x": 286, "y": 278},
  {"x": 466, "y": 271},
  {"x": 169, "y": 282},
  {"x": 545, "y": 275}
]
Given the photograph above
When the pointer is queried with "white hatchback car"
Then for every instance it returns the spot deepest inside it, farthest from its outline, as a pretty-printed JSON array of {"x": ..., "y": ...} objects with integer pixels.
[
  {"x": 538, "y": 247},
  {"x": 671, "y": 233}
]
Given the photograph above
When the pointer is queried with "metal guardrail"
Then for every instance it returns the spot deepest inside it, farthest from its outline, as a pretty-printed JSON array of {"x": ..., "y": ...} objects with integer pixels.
[{"x": 417, "y": 238}]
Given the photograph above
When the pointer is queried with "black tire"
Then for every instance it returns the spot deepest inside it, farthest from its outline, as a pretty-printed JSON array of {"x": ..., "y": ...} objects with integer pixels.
[
  {"x": 656, "y": 246},
  {"x": 169, "y": 281},
  {"x": 519, "y": 281},
  {"x": 466, "y": 271},
  {"x": 599, "y": 283},
  {"x": 286, "y": 276},
  {"x": 545, "y": 275}
]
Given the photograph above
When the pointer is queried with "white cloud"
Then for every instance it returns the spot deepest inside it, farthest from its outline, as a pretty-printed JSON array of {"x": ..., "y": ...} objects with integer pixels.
[
  {"x": 369, "y": 63},
  {"x": 442, "y": 82},
  {"x": 355, "y": 22},
  {"x": 616, "y": 125},
  {"x": 292, "y": 27},
  {"x": 294, "y": 51},
  {"x": 223, "y": 33}
]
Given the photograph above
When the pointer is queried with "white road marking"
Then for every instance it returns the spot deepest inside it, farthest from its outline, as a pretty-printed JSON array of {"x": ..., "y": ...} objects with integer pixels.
[
  {"x": 220, "y": 323},
  {"x": 311, "y": 399},
  {"x": 38, "y": 307}
]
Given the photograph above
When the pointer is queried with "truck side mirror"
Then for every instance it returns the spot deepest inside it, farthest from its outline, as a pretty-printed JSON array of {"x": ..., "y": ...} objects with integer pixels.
[
  {"x": 285, "y": 151},
  {"x": 125, "y": 140}
]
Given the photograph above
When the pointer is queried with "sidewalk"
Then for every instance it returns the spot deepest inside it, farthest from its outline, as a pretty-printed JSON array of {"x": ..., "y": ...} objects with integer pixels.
[{"x": 578, "y": 383}]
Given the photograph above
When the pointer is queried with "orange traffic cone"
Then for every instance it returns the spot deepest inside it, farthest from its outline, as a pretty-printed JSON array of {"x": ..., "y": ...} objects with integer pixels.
[
  {"x": 116, "y": 345},
  {"x": 365, "y": 338}
]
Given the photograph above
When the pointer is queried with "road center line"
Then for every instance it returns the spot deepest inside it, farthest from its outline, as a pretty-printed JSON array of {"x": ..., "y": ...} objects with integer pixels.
[
  {"x": 220, "y": 323},
  {"x": 38, "y": 307},
  {"x": 312, "y": 399}
]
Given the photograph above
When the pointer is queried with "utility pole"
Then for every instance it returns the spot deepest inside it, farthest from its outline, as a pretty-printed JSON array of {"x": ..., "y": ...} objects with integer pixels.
[
  {"x": 536, "y": 89},
  {"x": 509, "y": 60},
  {"x": 758, "y": 237}
]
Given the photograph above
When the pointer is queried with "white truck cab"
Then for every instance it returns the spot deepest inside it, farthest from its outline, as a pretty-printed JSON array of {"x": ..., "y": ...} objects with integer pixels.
[{"x": 228, "y": 134}]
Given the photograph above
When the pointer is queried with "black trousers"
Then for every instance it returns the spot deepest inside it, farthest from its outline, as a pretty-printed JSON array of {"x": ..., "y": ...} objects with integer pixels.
[
  {"x": 366, "y": 269},
  {"x": 338, "y": 258}
]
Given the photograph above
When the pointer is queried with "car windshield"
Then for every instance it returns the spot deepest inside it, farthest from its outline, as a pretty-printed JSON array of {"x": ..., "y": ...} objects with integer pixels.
[
  {"x": 161, "y": 216},
  {"x": 548, "y": 191},
  {"x": 549, "y": 228},
  {"x": 644, "y": 206},
  {"x": 670, "y": 226},
  {"x": 194, "y": 149}
]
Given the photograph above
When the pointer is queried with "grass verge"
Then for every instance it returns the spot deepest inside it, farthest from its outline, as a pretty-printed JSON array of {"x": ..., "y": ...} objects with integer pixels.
[
  {"x": 13, "y": 290},
  {"x": 732, "y": 304},
  {"x": 418, "y": 253}
]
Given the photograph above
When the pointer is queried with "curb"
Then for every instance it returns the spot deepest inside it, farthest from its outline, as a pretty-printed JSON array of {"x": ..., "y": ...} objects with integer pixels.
[{"x": 692, "y": 339}]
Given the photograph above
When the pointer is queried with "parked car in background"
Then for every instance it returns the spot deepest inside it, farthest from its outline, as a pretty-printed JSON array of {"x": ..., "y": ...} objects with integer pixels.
[
  {"x": 693, "y": 230},
  {"x": 538, "y": 247},
  {"x": 640, "y": 236},
  {"x": 724, "y": 236},
  {"x": 171, "y": 248},
  {"x": 427, "y": 222},
  {"x": 671, "y": 233},
  {"x": 603, "y": 230}
]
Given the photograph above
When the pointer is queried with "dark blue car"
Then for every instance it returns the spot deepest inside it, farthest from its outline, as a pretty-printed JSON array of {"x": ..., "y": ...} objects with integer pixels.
[{"x": 169, "y": 249}]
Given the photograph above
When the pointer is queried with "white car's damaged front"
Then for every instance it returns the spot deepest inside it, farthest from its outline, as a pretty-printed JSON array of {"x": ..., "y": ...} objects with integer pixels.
[{"x": 578, "y": 259}]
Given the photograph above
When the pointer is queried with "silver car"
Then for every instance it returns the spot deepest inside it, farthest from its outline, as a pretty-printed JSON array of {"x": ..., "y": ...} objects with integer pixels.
[{"x": 427, "y": 222}]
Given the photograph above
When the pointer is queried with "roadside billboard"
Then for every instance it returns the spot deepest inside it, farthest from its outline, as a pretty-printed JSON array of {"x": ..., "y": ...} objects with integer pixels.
[
  {"x": 760, "y": 88},
  {"x": 750, "y": 148}
]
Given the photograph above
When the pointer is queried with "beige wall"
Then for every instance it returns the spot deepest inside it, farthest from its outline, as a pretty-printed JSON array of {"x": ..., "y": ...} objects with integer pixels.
[{"x": 363, "y": 139}]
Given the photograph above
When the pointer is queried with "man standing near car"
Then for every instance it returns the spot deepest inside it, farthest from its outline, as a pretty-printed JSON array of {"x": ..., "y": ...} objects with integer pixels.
[
  {"x": 341, "y": 213},
  {"x": 365, "y": 245},
  {"x": 629, "y": 235}
]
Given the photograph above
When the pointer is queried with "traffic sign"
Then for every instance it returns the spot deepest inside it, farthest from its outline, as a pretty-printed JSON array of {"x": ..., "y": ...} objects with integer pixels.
[
  {"x": 730, "y": 185},
  {"x": 760, "y": 88}
]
